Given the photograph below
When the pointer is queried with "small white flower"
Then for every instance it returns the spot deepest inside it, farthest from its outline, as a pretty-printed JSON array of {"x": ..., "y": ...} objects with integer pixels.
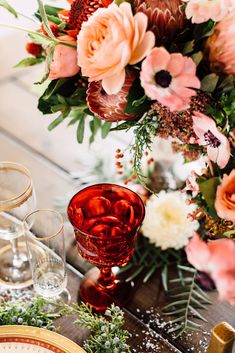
[{"x": 166, "y": 223}]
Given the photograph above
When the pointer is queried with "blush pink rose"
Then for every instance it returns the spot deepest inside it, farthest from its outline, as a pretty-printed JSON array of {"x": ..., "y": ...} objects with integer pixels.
[
  {"x": 111, "y": 39},
  {"x": 217, "y": 258},
  {"x": 225, "y": 197},
  {"x": 64, "y": 61}
]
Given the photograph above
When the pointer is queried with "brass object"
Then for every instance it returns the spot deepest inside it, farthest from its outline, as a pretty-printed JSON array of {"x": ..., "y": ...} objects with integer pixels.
[{"x": 222, "y": 339}]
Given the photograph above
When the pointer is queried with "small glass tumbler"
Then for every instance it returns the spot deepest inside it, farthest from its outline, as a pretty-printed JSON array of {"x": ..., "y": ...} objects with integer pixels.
[
  {"x": 17, "y": 199},
  {"x": 44, "y": 230}
]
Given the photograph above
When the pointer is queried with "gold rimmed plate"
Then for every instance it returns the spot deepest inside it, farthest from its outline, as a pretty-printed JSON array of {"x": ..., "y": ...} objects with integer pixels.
[{"x": 26, "y": 339}]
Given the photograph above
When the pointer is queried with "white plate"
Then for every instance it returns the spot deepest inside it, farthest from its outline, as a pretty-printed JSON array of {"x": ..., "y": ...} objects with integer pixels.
[{"x": 26, "y": 339}]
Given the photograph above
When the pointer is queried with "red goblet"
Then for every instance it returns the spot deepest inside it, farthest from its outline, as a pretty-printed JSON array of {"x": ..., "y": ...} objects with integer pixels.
[{"x": 106, "y": 218}]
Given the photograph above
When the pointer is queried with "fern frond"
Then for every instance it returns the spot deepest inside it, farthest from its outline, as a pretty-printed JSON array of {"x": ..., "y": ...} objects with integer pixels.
[{"x": 188, "y": 298}]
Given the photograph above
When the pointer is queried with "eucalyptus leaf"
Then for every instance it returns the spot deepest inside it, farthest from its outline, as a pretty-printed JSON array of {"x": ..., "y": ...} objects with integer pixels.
[{"x": 8, "y": 7}]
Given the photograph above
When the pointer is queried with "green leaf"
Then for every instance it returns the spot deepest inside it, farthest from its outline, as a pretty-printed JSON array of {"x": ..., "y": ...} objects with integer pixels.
[
  {"x": 30, "y": 61},
  {"x": 176, "y": 303},
  {"x": 187, "y": 268},
  {"x": 208, "y": 189},
  {"x": 53, "y": 87},
  {"x": 209, "y": 83},
  {"x": 8, "y": 7},
  {"x": 41, "y": 39},
  {"x": 45, "y": 20},
  {"x": 105, "y": 129},
  {"x": 81, "y": 129},
  {"x": 188, "y": 47},
  {"x": 164, "y": 275},
  {"x": 197, "y": 314},
  {"x": 136, "y": 104},
  {"x": 50, "y": 11},
  {"x": 197, "y": 57},
  {"x": 56, "y": 122}
]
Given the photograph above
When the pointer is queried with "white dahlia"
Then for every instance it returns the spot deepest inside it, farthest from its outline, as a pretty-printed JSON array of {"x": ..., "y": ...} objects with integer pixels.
[{"x": 166, "y": 223}]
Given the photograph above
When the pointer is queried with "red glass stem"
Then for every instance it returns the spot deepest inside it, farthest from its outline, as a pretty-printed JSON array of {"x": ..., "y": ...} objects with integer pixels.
[{"x": 106, "y": 278}]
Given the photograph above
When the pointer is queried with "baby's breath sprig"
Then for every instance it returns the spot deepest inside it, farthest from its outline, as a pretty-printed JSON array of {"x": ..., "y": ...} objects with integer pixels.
[
  {"x": 30, "y": 314},
  {"x": 107, "y": 331}
]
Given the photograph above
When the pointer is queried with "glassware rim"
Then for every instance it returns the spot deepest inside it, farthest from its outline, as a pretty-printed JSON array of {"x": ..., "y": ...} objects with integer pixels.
[
  {"x": 22, "y": 169},
  {"x": 45, "y": 210},
  {"x": 99, "y": 184}
]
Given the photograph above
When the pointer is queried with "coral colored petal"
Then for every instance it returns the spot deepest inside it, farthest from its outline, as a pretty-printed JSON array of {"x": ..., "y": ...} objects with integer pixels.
[
  {"x": 159, "y": 59},
  {"x": 140, "y": 24},
  {"x": 113, "y": 84},
  {"x": 143, "y": 49},
  {"x": 186, "y": 80},
  {"x": 176, "y": 64}
]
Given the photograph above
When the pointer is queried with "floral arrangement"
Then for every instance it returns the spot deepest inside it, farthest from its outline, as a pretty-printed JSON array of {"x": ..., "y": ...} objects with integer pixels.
[{"x": 161, "y": 68}]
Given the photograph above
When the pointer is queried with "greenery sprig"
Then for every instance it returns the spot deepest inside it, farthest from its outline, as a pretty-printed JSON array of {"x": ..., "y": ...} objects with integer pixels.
[
  {"x": 35, "y": 313},
  {"x": 107, "y": 331},
  {"x": 187, "y": 298}
]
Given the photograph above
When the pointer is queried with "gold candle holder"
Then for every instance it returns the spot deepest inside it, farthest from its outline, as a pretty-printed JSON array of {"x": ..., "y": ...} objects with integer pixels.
[{"x": 222, "y": 339}]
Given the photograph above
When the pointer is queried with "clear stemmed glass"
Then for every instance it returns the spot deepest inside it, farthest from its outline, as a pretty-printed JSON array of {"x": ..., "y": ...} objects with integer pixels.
[
  {"x": 106, "y": 218},
  {"x": 44, "y": 230},
  {"x": 17, "y": 199}
]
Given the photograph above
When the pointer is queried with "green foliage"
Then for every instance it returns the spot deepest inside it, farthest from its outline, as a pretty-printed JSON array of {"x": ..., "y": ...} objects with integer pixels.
[
  {"x": 51, "y": 11},
  {"x": 107, "y": 331},
  {"x": 209, "y": 83},
  {"x": 148, "y": 260},
  {"x": 44, "y": 18},
  {"x": 30, "y": 61},
  {"x": 203, "y": 29},
  {"x": 31, "y": 314},
  {"x": 8, "y": 7},
  {"x": 208, "y": 189},
  {"x": 145, "y": 130},
  {"x": 137, "y": 101},
  {"x": 188, "y": 298}
]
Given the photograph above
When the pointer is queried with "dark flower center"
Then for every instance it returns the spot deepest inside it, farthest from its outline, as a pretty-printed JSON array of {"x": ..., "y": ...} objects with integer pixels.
[
  {"x": 211, "y": 139},
  {"x": 163, "y": 78}
]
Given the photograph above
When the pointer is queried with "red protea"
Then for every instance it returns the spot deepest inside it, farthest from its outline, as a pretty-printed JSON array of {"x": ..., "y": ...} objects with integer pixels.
[
  {"x": 166, "y": 17},
  {"x": 81, "y": 10},
  {"x": 110, "y": 107}
]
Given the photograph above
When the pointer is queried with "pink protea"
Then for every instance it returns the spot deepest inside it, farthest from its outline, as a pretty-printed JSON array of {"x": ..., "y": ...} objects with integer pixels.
[
  {"x": 110, "y": 107},
  {"x": 216, "y": 143},
  {"x": 222, "y": 45},
  {"x": 169, "y": 78},
  {"x": 165, "y": 17},
  {"x": 202, "y": 10}
]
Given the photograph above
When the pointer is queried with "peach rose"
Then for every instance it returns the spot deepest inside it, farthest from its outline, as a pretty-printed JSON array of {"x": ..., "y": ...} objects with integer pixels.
[
  {"x": 225, "y": 197},
  {"x": 64, "y": 61},
  {"x": 217, "y": 258},
  {"x": 111, "y": 39}
]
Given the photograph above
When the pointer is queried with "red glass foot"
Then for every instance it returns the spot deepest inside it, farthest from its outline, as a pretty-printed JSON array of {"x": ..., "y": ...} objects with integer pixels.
[{"x": 99, "y": 289}]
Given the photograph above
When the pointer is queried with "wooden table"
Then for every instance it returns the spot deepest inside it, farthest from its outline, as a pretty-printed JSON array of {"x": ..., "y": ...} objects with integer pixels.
[{"x": 51, "y": 160}]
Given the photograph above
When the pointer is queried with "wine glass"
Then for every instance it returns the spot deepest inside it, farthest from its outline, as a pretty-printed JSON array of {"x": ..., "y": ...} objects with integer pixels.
[
  {"x": 106, "y": 218},
  {"x": 44, "y": 230},
  {"x": 17, "y": 198}
]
